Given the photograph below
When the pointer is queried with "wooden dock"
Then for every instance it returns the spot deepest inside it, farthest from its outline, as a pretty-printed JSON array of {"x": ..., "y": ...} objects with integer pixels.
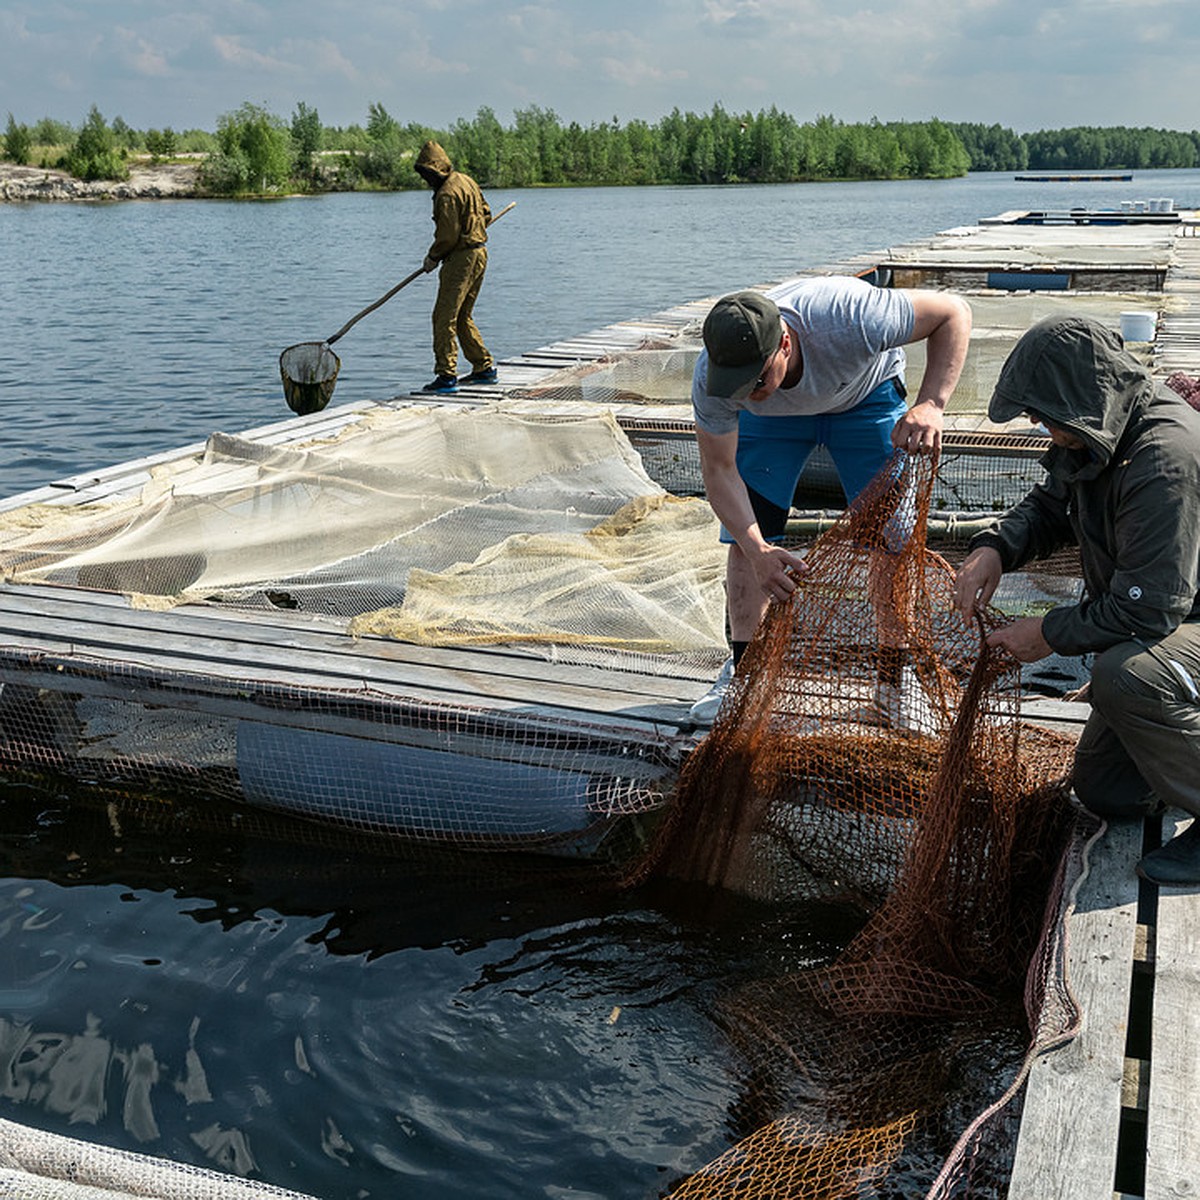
[{"x": 1112, "y": 1113}]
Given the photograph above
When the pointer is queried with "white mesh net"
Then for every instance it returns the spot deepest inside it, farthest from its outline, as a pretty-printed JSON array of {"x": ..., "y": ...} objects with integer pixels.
[{"x": 453, "y": 526}]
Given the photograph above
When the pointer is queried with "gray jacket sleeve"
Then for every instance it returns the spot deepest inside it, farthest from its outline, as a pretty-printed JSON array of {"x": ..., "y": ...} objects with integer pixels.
[
  {"x": 1148, "y": 586},
  {"x": 1037, "y": 527}
]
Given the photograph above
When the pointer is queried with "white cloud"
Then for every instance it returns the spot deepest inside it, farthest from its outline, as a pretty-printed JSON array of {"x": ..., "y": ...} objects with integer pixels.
[
  {"x": 139, "y": 55},
  {"x": 230, "y": 50}
]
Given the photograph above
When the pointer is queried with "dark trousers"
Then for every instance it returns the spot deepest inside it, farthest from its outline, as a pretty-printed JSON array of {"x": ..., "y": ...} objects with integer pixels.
[{"x": 1144, "y": 732}]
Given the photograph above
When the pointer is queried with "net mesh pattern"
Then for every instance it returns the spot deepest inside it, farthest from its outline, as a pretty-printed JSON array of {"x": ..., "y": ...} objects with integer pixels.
[
  {"x": 440, "y": 526},
  {"x": 36, "y": 1165},
  {"x": 874, "y": 749},
  {"x": 366, "y": 762},
  {"x": 984, "y": 468}
]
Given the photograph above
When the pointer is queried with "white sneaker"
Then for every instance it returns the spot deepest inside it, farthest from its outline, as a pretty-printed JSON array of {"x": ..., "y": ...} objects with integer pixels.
[
  {"x": 906, "y": 707},
  {"x": 706, "y": 708}
]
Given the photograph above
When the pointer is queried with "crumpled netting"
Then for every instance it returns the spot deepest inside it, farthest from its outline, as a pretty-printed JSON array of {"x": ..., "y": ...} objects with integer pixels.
[
  {"x": 451, "y": 526},
  {"x": 36, "y": 1165},
  {"x": 644, "y": 580},
  {"x": 951, "y": 833}
]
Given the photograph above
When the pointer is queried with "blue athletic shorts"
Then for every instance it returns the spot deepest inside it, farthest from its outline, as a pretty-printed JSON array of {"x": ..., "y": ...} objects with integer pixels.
[{"x": 772, "y": 452}]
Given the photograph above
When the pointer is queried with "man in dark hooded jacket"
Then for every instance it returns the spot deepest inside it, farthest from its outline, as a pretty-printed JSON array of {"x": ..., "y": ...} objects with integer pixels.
[
  {"x": 1123, "y": 484},
  {"x": 460, "y": 219}
]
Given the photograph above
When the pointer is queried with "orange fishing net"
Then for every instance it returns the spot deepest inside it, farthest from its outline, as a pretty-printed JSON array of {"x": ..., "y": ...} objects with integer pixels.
[{"x": 870, "y": 749}]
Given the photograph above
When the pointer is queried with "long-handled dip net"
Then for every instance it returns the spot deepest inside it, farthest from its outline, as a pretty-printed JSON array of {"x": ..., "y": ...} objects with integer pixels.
[{"x": 868, "y": 750}]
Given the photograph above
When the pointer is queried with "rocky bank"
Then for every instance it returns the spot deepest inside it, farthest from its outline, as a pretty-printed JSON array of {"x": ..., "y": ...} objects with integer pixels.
[{"x": 146, "y": 182}]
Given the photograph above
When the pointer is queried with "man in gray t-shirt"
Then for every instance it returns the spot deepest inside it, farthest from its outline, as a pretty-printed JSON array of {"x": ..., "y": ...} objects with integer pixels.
[{"x": 819, "y": 362}]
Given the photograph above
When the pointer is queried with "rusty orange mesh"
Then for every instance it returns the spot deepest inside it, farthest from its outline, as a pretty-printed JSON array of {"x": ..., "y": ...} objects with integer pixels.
[
  {"x": 870, "y": 748},
  {"x": 776, "y": 1160}
]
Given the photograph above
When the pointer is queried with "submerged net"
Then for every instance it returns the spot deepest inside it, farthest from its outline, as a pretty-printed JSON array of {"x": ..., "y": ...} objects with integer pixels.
[{"x": 869, "y": 750}]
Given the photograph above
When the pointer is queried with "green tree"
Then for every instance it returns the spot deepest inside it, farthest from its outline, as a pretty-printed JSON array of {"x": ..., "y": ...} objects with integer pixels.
[
  {"x": 254, "y": 153},
  {"x": 380, "y": 123},
  {"x": 643, "y": 159},
  {"x": 94, "y": 154},
  {"x": 670, "y": 136},
  {"x": 196, "y": 141},
  {"x": 388, "y": 159},
  {"x": 48, "y": 132},
  {"x": 124, "y": 135},
  {"x": 17, "y": 142},
  {"x": 992, "y": 148},
  {"x": 161, "y": 143},
  {"x": 480, "y": 148},
  {"x": 306, "y": 138}
]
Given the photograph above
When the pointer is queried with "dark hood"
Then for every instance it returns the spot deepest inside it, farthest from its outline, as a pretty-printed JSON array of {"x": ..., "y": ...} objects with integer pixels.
[
  {"x": 434, "y": 160},
  {"x": 1076, "y": 373}
]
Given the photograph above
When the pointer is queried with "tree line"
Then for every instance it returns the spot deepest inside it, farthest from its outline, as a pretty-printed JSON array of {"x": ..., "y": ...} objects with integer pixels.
[
  {"x": 1081, "y": 148},
  {"x": 254, "y": 151}
]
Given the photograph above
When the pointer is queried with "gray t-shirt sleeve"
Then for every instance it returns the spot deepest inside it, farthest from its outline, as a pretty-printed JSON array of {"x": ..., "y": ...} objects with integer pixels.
[
  {"x": 711, "y": 414},
  {"x": 851, "y": 334}
]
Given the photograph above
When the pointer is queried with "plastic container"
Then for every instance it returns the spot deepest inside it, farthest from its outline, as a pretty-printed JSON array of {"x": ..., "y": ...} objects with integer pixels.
[{"x": 1138, "y": 326}]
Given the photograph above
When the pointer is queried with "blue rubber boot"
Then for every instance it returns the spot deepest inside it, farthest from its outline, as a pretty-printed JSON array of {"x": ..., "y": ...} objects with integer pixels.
[{"x": 487, "y": 375}]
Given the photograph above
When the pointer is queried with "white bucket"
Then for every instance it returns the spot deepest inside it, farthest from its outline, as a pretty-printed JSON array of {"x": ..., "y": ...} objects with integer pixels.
[{"x": 1138, "y": 326}]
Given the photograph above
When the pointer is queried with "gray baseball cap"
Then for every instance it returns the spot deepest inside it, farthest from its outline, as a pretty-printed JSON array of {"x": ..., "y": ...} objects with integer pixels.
[{"x": 741, "y": 332}]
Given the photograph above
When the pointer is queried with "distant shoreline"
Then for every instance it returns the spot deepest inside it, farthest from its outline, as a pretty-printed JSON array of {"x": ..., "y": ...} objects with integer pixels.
[{"x": 157, "y": 181}]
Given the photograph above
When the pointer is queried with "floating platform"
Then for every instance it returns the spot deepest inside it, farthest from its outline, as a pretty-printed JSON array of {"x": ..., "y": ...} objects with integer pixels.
[
  {"x": 587, "y": 742},
  {"x": 1087, "y": 178},
  {"x": 1086, "y": 216}
]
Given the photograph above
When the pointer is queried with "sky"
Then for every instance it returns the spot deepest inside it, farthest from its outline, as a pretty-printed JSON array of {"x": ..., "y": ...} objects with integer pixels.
[{"x": 1022, "y": 64}]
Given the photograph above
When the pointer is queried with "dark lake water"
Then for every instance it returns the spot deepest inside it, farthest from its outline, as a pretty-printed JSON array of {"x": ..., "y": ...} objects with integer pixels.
[{"x": 227, "y": 990}]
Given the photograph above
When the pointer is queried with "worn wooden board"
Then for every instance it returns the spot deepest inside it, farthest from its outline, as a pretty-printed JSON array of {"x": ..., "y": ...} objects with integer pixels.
[
  {"x": 1172, "y": 1126},
  {"x": 1067, "y": 1146},
  {"x": 303, "y": 651}
]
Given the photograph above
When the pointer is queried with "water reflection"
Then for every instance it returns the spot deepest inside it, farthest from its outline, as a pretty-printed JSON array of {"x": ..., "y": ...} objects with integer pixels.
[{"x": 248, "y": 993}]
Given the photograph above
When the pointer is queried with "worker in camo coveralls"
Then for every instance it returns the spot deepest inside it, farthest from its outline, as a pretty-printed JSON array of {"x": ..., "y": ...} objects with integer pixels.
[
  {"x": 1122, "y": 484},
  {"x": 461, "y": 217}
]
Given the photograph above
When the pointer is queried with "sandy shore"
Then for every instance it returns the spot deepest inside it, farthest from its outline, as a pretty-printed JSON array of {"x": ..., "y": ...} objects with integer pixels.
[{"x": 145, "y": 182}]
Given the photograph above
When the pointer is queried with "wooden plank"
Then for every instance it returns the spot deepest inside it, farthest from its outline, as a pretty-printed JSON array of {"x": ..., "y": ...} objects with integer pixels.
[
  {"x": 1172, "y": 1128},
  {"x": 228, "y": 651},
  {"x": 1067, "y": 1146},
  {"x": 312, "y": 633},
  {"x": 146, "y": 681},
  {"x": 430, "y": 683},
  {"x": 230, "y": 642}
]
